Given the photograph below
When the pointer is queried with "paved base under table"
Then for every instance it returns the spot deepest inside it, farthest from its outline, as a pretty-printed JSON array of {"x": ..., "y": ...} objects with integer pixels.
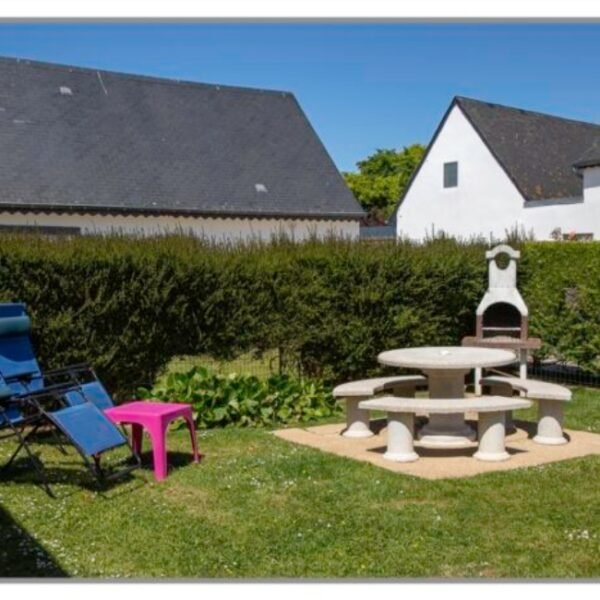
[{"x": 443, "y": 464}]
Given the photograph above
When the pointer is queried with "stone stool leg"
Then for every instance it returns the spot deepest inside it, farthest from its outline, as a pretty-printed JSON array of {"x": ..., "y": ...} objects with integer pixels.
[
  {"x": 406, "y": 391},
  {"x": 504, "y": 389},
  {"x": 357, "y": 420},
  {"x": 523, "y": 364},
  {"x": 477, "y": 386},
  {"x": 400, "y": 438},
  {"x": 491, "y": 437},
  {"x": 550, "y": 418}
]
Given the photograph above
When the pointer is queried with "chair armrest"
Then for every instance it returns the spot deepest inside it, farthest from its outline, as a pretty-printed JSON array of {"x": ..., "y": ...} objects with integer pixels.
[
  {"x": 77, "y": 368},
  {"x": 73, "y": 375},
  {"x": 50, "y": 391}
]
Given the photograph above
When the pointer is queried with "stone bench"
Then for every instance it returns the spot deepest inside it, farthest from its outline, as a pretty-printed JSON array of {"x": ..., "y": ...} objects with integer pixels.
[
  {"x": 550, "y": 398},
  {"x": 353, "y": 392},
  {"x": 401, "y": 413}
]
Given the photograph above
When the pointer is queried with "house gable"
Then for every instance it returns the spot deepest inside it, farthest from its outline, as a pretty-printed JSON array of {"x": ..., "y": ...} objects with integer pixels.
[
  {"x": 536, "y": 150},
  {"x": 485, "y": 200}
]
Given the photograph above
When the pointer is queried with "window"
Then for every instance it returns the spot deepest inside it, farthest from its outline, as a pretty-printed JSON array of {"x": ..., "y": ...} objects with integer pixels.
[{"x": 450, "y": 174}]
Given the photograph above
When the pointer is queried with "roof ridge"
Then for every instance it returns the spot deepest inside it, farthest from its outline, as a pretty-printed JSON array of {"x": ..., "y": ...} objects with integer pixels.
[
  {"x": 135, "y": 76},
  {"x": 459, "y": 99}
]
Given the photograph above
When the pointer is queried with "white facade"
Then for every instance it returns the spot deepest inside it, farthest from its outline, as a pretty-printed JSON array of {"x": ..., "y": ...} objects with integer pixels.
[
  {"x": 576, "y": 216},
  {"x": 215, "y": 229},
  {"x": 485, "y": 202}
]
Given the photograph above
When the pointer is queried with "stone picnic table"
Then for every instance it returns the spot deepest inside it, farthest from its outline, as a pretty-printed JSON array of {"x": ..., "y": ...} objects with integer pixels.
[{"x": 445, "y": 368}]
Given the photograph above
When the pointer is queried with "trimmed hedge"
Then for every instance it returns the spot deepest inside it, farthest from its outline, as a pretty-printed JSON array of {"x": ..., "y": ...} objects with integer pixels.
[
  {"x": 129, "y": 305},
  {"x": 561, "y": 286}
]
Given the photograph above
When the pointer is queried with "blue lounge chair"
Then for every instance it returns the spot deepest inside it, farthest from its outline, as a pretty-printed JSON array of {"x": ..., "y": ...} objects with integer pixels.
[
  {"x": 14, "y": 419},
  {"x": 70, "y": 399},
  {"x": 18, "y": 364},
  {"x": 85, "y": 426},
  {"x": 22, "y": 373}
]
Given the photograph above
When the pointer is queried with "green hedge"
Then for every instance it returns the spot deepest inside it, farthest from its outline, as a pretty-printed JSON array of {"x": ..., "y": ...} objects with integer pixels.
[
  {"x": 561, "y": 285},
  {"x": 129, "y": 305}
]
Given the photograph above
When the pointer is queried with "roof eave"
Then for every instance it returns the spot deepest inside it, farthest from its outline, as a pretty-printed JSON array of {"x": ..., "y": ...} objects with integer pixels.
[
  {"x": 586, "y": 164},
  {"x": 175, "y": 212}
]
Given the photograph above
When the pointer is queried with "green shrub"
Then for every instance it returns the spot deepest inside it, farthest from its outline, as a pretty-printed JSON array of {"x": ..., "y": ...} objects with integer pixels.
[
  {"x": 562, "y": 289},
  {"x": 128, "y": 306},
  {"x": 237, "y": 399}
]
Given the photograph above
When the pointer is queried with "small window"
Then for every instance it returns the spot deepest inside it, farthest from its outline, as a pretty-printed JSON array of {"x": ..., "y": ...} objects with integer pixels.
[{"x": 450, "y": 174}]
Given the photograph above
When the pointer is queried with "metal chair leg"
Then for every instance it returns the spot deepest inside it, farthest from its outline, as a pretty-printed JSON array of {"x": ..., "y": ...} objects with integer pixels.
[
  {"x": 58, "y": 442},
  {"x": 32, "y": 458},
  {"x": 22, "y": 444}
]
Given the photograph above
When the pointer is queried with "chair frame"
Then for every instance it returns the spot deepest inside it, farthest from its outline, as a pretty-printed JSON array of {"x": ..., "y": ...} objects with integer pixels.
[
  {"x": 41, "y": 417},
  {"x": 39, "y": 388},
  {"x": 18, "y": 431}
]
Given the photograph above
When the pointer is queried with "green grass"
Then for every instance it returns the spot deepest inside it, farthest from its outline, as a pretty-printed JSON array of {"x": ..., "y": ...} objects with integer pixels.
[{"x": 258, "y": 506}]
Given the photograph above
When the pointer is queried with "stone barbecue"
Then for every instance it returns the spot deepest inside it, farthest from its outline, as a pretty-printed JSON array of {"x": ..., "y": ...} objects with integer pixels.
[{"x": 502, "y": 317}]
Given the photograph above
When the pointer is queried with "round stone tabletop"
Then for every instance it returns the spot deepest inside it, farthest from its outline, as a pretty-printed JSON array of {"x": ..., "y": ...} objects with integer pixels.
[{"x": 446, "y": 357}]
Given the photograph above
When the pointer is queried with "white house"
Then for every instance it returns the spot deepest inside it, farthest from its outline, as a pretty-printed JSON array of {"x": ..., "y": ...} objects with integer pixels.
[
  {"x": 490, "y": 169},
  {"x": 85, "y": 151}
]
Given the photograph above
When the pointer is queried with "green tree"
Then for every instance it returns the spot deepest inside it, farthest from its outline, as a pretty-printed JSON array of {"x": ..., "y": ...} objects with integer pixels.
[{"x": 382, "y": 178}]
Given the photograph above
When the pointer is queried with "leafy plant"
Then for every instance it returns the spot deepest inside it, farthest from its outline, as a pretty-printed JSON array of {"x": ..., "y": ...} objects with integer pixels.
[{"x": 237, "y": 399}]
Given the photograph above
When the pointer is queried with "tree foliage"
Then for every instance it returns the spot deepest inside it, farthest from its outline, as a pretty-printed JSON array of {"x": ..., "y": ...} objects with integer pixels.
[{"x": 382, "y": 178}]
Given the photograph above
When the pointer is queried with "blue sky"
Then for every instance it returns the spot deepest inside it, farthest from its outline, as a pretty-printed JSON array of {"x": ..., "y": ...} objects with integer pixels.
[{"x": 363, "y": 85}]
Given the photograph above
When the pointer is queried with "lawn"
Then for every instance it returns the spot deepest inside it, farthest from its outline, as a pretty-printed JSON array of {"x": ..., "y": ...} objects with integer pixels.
[{"x": 258, "y": 506}]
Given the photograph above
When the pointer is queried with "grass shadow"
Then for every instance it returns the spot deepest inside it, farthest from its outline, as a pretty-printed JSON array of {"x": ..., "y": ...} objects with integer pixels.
[
  {"x": 175, "y": 459},
  {"x": 527, "y": 426},
  {"x": 21, "y": 555},
  {"x": 21, "y": 472}
]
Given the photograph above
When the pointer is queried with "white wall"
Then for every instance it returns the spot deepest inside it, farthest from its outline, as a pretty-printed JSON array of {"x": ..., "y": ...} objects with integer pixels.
[
  {"x": 218, "y": 229},
  {"x": 574, "y": 215},
  {"x": 486, "y": 202},
  {"x": 591, "y": 184}
]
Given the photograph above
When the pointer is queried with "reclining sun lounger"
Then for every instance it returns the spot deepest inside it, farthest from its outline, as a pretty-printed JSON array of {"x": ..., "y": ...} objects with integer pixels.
[
  {"x": 84, "y": 426},
  {"x": 71, "y": 399},
  {"x": 22, "y": 373}
]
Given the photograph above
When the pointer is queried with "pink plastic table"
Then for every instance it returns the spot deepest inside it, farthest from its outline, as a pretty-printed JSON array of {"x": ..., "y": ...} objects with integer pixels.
[{"x": 155, "y": 418}]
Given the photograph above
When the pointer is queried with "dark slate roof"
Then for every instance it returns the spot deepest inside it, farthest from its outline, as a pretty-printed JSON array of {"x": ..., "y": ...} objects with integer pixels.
[
  {"x": 536, "y": 150},
  {"x": 88, "y": 140},
  {"x": 591, "y": 157}
]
